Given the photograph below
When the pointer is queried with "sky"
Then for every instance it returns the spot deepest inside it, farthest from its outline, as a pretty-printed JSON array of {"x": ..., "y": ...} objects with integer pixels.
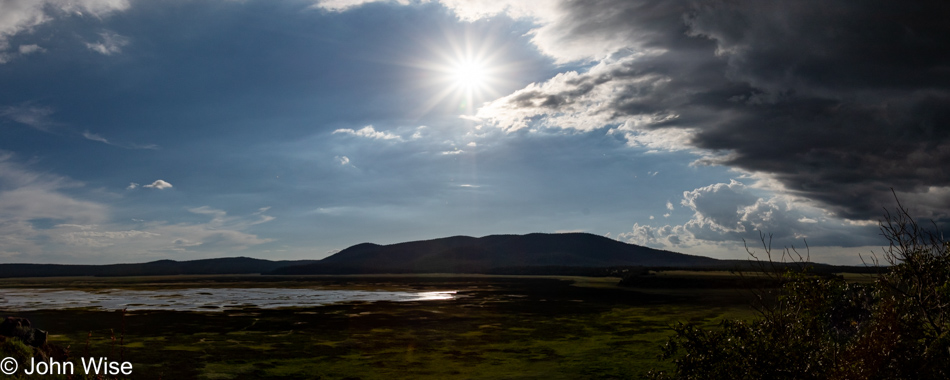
[{"x": 133, "y": 131}]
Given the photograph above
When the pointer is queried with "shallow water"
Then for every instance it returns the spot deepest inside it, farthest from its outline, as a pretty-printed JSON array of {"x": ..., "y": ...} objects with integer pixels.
[{"x": 198, "y": 299}]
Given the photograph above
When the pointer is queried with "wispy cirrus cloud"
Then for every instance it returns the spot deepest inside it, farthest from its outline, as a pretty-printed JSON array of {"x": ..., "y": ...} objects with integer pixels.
[
  {"x": 96, "y": 137},
  {"x": 37, "y": 117},
  {"x": 109, "y": 43},
  {"x": 41, "y": 221}
]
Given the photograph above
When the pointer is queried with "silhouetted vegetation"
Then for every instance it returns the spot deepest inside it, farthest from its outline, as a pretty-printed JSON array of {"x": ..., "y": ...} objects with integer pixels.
[{"x": 823, "y": 327}]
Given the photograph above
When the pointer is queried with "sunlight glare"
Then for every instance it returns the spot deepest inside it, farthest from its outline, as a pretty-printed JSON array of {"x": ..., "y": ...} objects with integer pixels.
[
  {"x": 469, "y": 75},
  {"x": 464, "y": 72}
]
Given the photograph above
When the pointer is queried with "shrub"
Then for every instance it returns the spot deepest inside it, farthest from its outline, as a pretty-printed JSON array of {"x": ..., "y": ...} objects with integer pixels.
[
  {"x": 823, "y": 327},
  {"x": 15, "y": 348}
]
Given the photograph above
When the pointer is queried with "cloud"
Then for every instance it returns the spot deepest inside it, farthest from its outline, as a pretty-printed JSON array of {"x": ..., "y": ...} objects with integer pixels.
[
  {"x": 41, "y": 222},
  {"x": 38, "y": 117},
  {"x": 156, "y": 239},
  {"x": 96, "y": 137},
  {"x": 717, "y": 206},
  {"x": 205, "y": 210},
  {"x": 838, "y": 114},
  {"x": 571, "y": 31},
  {"x": 110, "y": 43},
  {"x": 220, "y": 218},
  {"x": 342, "y": 160},
  {"x": 30, "y": 49},
  {"x": 33, "y": 116},
  {"x": 368, "y": 132},
  {"x": 343, "y": 5},
  {"x": 26, "y": 195},
  {"x": 159, "y": 184},
  {"x": 132, "y": 186},
  {"x": 418, "y": 132},
  {"x": 727, "y": 213},
  {"x": 20, "y": 16}
]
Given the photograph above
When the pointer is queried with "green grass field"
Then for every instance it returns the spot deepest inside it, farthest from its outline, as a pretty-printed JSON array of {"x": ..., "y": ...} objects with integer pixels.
[{"x": 499, "y": 327}]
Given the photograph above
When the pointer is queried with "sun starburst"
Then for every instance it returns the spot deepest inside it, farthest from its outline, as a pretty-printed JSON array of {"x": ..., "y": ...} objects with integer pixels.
[{"x": 465, "y": 72}]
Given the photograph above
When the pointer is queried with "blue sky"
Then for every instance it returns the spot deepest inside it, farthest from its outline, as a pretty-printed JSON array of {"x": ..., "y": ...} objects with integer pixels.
[{"x": 139, "y": 130}]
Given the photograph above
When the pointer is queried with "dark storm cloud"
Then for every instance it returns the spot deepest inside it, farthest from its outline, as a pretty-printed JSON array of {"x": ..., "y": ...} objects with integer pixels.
[{"x": 839, "y": 101}]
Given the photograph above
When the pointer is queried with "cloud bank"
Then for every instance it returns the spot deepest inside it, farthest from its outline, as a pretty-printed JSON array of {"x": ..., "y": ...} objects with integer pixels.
[
  {"x": 837, "y": 101},
  {"x": 727, "y": 213}
]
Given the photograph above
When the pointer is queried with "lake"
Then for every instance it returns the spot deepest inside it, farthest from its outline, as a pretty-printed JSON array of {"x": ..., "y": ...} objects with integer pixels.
[{"x": 199, "y": 299}]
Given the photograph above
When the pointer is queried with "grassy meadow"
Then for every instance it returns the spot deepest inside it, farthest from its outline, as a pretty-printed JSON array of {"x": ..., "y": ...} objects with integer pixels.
[{"x": 498, "y": 327}]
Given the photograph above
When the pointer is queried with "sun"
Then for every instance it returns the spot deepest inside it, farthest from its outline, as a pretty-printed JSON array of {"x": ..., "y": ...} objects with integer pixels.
[
  {"x": 461, "y": 73},
  {"x": 469, "y": 75},
  {"x": 467, "y": 80}
]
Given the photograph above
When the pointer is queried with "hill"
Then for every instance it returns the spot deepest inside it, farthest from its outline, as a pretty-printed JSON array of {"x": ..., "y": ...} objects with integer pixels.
[
  {"x": 464, "y": 254},
  {"x": 229, "y": 265}
]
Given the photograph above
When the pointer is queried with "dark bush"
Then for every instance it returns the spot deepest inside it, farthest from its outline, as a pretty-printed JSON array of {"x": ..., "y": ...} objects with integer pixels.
[{"x": 823, "y": 327}]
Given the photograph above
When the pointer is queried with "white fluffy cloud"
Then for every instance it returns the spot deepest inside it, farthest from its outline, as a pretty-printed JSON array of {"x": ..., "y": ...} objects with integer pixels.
[
  {"x": 368, "y": 132},
  {"x": 564, "y": 31},
  {"x": 726, "y": 213},
  {"x": 158, "y": 184}
]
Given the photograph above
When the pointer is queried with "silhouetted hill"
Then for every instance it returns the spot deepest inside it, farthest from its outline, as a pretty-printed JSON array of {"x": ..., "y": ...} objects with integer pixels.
[
  {"x": 229, "y": 265},
  {"x": 463, "y": 254},
  {"x": 533, "y": 254}
]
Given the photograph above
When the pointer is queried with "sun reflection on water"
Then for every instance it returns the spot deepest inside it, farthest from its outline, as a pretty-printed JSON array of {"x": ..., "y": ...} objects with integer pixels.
[{"x": 200, "y": 299}]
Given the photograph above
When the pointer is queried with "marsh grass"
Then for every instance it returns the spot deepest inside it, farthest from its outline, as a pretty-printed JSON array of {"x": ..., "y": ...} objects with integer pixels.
[{"x": 499, "y": 327}]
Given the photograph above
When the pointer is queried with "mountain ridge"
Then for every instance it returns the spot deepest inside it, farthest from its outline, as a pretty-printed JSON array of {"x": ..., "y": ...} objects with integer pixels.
[
  {"x": 163, "y": 267},
  {"x": 536, "y": 253},
  {"x": 466, "y": 254}
]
